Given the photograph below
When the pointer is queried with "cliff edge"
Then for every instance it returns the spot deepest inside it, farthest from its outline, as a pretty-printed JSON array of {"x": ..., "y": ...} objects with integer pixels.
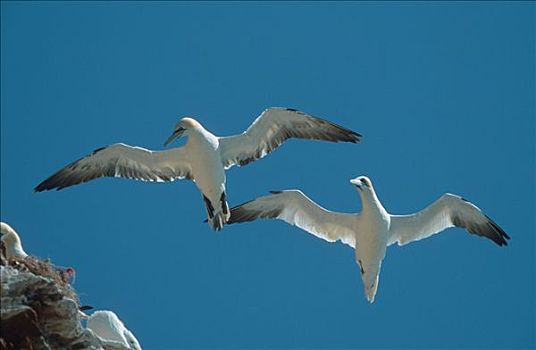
[{"x": 40, "y": 309}]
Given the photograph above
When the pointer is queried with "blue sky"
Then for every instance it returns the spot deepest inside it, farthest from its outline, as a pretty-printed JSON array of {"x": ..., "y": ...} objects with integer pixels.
[{"x": 444, "y": 94}]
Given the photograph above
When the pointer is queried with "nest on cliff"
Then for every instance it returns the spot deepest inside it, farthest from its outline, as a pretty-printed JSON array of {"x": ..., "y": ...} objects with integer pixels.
[{"x": 45, "y": 269}]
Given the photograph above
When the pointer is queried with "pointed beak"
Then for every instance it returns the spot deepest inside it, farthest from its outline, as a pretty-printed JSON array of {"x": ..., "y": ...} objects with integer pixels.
[
  {"x": 82, "y": 315},
  {"x": 176, "y": 134},
  {"x": 356, "y": 182}
]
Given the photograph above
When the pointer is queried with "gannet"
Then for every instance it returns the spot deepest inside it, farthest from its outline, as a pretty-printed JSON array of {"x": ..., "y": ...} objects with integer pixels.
[
  {"x": 12, "y": 242},
  {"x": 373, "y": 229},
  {"x": 109, "y": 327},
  {"x": 203, "y": 159}
]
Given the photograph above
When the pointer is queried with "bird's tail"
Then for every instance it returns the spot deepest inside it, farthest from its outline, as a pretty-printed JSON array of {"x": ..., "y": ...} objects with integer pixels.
[
  {"x": 371, "y": 290},
  {"x": 217, "y": 214},
  {"x": 218, "y": 221}
]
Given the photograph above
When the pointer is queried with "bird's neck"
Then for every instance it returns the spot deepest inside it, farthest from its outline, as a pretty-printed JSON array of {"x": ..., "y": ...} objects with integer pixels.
[
  {"x": 15, "y": 249},
  {"x": 370, "y": 202},
  {"x": 201, "y": 135}
]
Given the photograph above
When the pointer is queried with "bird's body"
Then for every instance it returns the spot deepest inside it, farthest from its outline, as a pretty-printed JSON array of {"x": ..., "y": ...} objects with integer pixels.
[
  {"x": 209, "y": 175},
  {"x": 109, "y": 327},
  {"x": 12, "y": 242},
  {"x": 203, "y": 159},
  {"x": 372, "y": 230}
]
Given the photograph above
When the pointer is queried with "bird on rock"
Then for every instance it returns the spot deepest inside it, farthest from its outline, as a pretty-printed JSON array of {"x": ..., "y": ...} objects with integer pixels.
[{"x": 12, "y": 242}]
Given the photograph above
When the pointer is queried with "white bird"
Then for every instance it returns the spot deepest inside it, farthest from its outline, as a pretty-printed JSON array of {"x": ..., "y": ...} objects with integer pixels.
[
  {"x": 203, "y": 159},
  {"x": 373, "y": 229},
  {"x": 12, "y": 242},
  {"x": 109, "y": 327}
]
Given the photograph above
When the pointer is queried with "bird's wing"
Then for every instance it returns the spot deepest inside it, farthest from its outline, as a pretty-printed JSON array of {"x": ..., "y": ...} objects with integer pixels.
[
  {"x": 448, "y": 211},
  {"x": 273, "y": 127},
  {"x": 120, "y": 160},
  {"x": 297, "y": 209}
]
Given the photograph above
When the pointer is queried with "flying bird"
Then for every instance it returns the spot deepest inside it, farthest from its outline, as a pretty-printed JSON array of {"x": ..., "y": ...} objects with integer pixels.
[
  {"x": 12, "y": 242},
  {"x": 203, "y": 159},
  {"x": 109, "y": 327},
  {"x": 373, "y": 229}
]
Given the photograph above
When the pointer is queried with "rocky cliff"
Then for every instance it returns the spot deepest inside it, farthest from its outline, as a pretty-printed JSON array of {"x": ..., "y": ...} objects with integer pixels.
[{"x": 40, "y": 309}]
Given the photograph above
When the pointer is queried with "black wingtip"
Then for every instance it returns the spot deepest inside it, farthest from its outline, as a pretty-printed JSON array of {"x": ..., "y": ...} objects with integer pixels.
[
  {"x": 349, "y": 135},
  {"x": 43, "y": 186},
  {"x": 98, "y": 149},
  {"x": 40, "y": 188},
  {"x": 275, "y": 192},
  {"x": 357, "y": 138},
  {"x": 501, "y": 237}
]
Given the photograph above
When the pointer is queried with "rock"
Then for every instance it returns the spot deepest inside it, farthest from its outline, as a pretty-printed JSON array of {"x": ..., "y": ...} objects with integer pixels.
[{"x": 41, "y": 311}]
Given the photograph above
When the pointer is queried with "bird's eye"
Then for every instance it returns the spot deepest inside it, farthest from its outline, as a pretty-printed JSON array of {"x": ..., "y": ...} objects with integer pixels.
[{"x": 365, "y": 182}]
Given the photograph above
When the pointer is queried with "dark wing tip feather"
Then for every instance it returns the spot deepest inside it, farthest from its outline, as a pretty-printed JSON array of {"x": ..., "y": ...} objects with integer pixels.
[
  {"x": 499, "y": 232},
  {"x": 40, "y": 187},
  {"x": 489, "y": 229},
  {"x": 62, "y": 178},
  {"x": 98, "y": 150},
  {"x": 334, "y": 132},
  {"x": 66, "y": 177},
  {"x": 55, "y": 181},
  {"x": 341, "y": 133}
]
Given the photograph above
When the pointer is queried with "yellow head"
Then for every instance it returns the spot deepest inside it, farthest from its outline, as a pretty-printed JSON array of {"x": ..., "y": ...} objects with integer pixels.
[
  {"x": 183, "y": 128},
  {"x": 12, "y": 242}
]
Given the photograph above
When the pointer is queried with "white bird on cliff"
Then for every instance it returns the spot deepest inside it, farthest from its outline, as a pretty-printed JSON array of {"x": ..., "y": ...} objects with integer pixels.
[
  {"x": 106, "y": 325},
  {"x": 373, "y": 229},
  {"x": 203, "y": 159},
  {"x": 12, "y": 242}
]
